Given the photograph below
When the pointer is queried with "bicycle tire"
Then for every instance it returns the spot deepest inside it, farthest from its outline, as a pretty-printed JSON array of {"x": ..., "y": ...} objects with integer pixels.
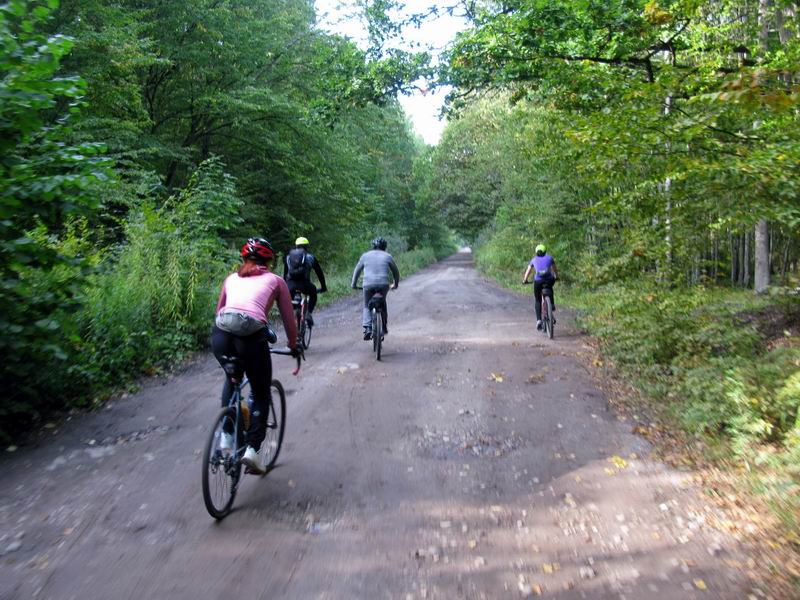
[
  {"x": 374, "y": 325},
  {"x": 271, "y": 446},
  {"x": 306, "y": 337},
  {"x": 377, "y": 333},
  {"x": 300, "y": 322},
  {"x": 219, "y": 495},
  {"x": 549, "y": 302}
]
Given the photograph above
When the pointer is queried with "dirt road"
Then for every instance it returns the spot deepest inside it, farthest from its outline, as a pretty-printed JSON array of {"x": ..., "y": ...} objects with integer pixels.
[{"x": 477, "y": 460}]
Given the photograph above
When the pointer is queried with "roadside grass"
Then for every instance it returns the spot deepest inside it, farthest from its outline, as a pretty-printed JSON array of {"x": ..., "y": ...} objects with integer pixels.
[{"x": 719, "y": 366}]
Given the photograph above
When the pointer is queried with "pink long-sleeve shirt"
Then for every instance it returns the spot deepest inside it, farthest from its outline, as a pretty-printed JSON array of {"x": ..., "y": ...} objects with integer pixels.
[{"x": 255, "y": 295}]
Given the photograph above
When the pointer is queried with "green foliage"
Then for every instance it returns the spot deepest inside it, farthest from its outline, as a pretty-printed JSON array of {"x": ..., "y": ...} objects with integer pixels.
[
  {"x": 117, "y": 216},
  {"x": 702, "y": 354},
  {"x": 151, "y": 303},
  {"x": 45, "y": 183}
]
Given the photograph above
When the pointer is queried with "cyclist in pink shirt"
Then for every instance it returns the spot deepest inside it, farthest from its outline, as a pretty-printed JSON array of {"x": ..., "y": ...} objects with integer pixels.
[{"x": 240, "y": 330}]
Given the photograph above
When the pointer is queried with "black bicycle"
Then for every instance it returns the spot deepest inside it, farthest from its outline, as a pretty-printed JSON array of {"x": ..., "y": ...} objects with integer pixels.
[
  {"x": 300, "y": 304},
  {"x": 222, "y": 459},
  {"x": 548, "y": 320}
]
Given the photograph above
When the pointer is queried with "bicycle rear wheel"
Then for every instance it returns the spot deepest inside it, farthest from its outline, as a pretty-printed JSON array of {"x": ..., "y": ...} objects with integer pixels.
[
  {"x": 221, "y": 469},
  {"x": 374, "y": 325},
  {"x": 377, "y": 333},
  {"x": 276, "y": 425},
  {"x": 549, "y": 304}
]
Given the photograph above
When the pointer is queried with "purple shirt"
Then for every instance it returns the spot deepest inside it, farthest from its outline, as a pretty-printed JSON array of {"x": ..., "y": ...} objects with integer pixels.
[{"x": 541, "y": 265}]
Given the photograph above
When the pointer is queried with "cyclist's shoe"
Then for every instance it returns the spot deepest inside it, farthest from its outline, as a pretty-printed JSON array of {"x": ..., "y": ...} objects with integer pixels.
[
  {"x": 385, "y": 330},
  {"x": 226, "y": 441},
  {"x": 309, "y": 320},
  {"x": 367, "y": 334},
  {"x": 553, "y": 319},
  {"x": 250, "y": 460},
  {"x": 539, "y": 324}
]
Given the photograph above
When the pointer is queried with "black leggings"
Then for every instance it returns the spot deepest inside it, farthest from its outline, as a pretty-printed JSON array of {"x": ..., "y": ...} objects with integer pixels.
[
  {"x": 538, "y": 286},
  {"x": 306, "y": 287},
  {"x": 254, "y": 352}
]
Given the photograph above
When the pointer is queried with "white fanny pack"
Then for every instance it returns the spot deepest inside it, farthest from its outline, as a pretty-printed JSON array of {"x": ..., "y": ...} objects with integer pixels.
[{"x": 238, "y": 322}]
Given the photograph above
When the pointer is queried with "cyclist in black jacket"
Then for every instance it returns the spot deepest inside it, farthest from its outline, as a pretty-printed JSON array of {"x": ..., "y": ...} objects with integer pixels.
[{"x": 297, "y": 269}]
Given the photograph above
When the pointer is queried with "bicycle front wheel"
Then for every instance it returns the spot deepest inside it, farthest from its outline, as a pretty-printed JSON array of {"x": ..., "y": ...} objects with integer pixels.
[
  {"x": 221, "y": 468},
  {"x": 276, "y": 425},
  {"x": 306, "y": 335},
  {"x": 301, "y": 326},
  {"x": 549, "y": 304}
]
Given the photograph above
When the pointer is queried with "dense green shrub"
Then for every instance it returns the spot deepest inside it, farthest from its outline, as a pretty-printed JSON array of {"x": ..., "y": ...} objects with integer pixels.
[{"x": 151, "y": 302}]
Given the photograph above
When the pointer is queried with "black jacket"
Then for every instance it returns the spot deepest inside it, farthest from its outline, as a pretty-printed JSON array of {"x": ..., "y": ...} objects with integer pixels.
[{"x": 311, "y": 263}]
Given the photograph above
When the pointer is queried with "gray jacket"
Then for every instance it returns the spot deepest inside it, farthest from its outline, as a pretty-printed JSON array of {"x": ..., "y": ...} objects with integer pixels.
[{"x": 376, "y": 265}]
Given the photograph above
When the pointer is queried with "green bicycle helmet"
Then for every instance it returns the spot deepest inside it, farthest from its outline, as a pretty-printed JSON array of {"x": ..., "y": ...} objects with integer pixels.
[{"x": 541, "y": 250}]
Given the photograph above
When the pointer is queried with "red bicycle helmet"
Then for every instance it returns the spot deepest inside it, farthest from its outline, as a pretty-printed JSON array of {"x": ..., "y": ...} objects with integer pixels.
[{"x": 258, "y": 250}]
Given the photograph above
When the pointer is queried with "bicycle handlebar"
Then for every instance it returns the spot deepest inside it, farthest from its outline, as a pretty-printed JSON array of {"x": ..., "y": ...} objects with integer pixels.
[{"x": 288, "y": 352}]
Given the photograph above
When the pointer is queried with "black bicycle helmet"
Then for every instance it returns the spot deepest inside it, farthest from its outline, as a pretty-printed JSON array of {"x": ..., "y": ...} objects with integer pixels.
[
  {"x": 258, "y": 250},
  {"x": 379, "y": 243}
]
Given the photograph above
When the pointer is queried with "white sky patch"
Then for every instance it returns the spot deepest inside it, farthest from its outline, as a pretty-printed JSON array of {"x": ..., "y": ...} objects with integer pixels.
[{"x": 434, "y": 35}]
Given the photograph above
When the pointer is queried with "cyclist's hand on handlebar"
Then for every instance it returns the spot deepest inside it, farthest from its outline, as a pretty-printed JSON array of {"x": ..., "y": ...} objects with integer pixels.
[
  {"x": 394, "y": 286},
  {"x": 322, "y": 290},
  {"x": 296, "y": 352}
]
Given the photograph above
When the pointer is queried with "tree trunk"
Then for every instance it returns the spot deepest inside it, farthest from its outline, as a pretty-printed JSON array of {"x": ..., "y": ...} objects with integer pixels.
[
  {"x": 715, "y": 259},
  {"x": 762, "y": 257},
  {"x": 785, "y": 259},
  {"x": 746, "y": 261},
  {"x": 734, "y": 258}
]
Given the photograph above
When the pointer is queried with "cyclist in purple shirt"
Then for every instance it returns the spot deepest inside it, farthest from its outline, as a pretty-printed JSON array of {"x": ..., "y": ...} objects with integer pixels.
[{"x": 544, "y": 267}]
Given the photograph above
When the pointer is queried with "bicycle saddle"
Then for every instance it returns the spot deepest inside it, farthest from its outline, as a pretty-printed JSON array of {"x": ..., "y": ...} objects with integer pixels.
[{"x": 232, "y": 366}]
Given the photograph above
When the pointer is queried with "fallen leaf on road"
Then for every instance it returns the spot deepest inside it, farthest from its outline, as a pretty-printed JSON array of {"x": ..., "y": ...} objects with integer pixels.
[
  {"x": 495, "y": 377},
  {"x": 700, "y": 584},
  {"x": 547, "y": 568},
  {"x": 472, "y": 544},
  {"x": 618, "y": 462}
]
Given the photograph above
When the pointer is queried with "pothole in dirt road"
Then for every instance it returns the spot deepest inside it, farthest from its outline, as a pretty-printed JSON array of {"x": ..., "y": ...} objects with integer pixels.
[
  {"x": 443, "y": 445},
  {"x": 133, "y": 436},
  {"x": 439, "y": 349}
]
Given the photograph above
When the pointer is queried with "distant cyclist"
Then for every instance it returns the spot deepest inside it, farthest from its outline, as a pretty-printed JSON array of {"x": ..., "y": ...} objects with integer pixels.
[
  {"x": 544, "y": 267},
  {"x": 297, "y": 272},
  {"x": 376, "y": 265},
  {"x": 240, "y": 330}
]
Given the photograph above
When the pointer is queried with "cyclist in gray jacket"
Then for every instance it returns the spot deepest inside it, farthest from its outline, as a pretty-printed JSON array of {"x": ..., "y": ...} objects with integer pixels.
[{"x": 376, "y": 265}]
